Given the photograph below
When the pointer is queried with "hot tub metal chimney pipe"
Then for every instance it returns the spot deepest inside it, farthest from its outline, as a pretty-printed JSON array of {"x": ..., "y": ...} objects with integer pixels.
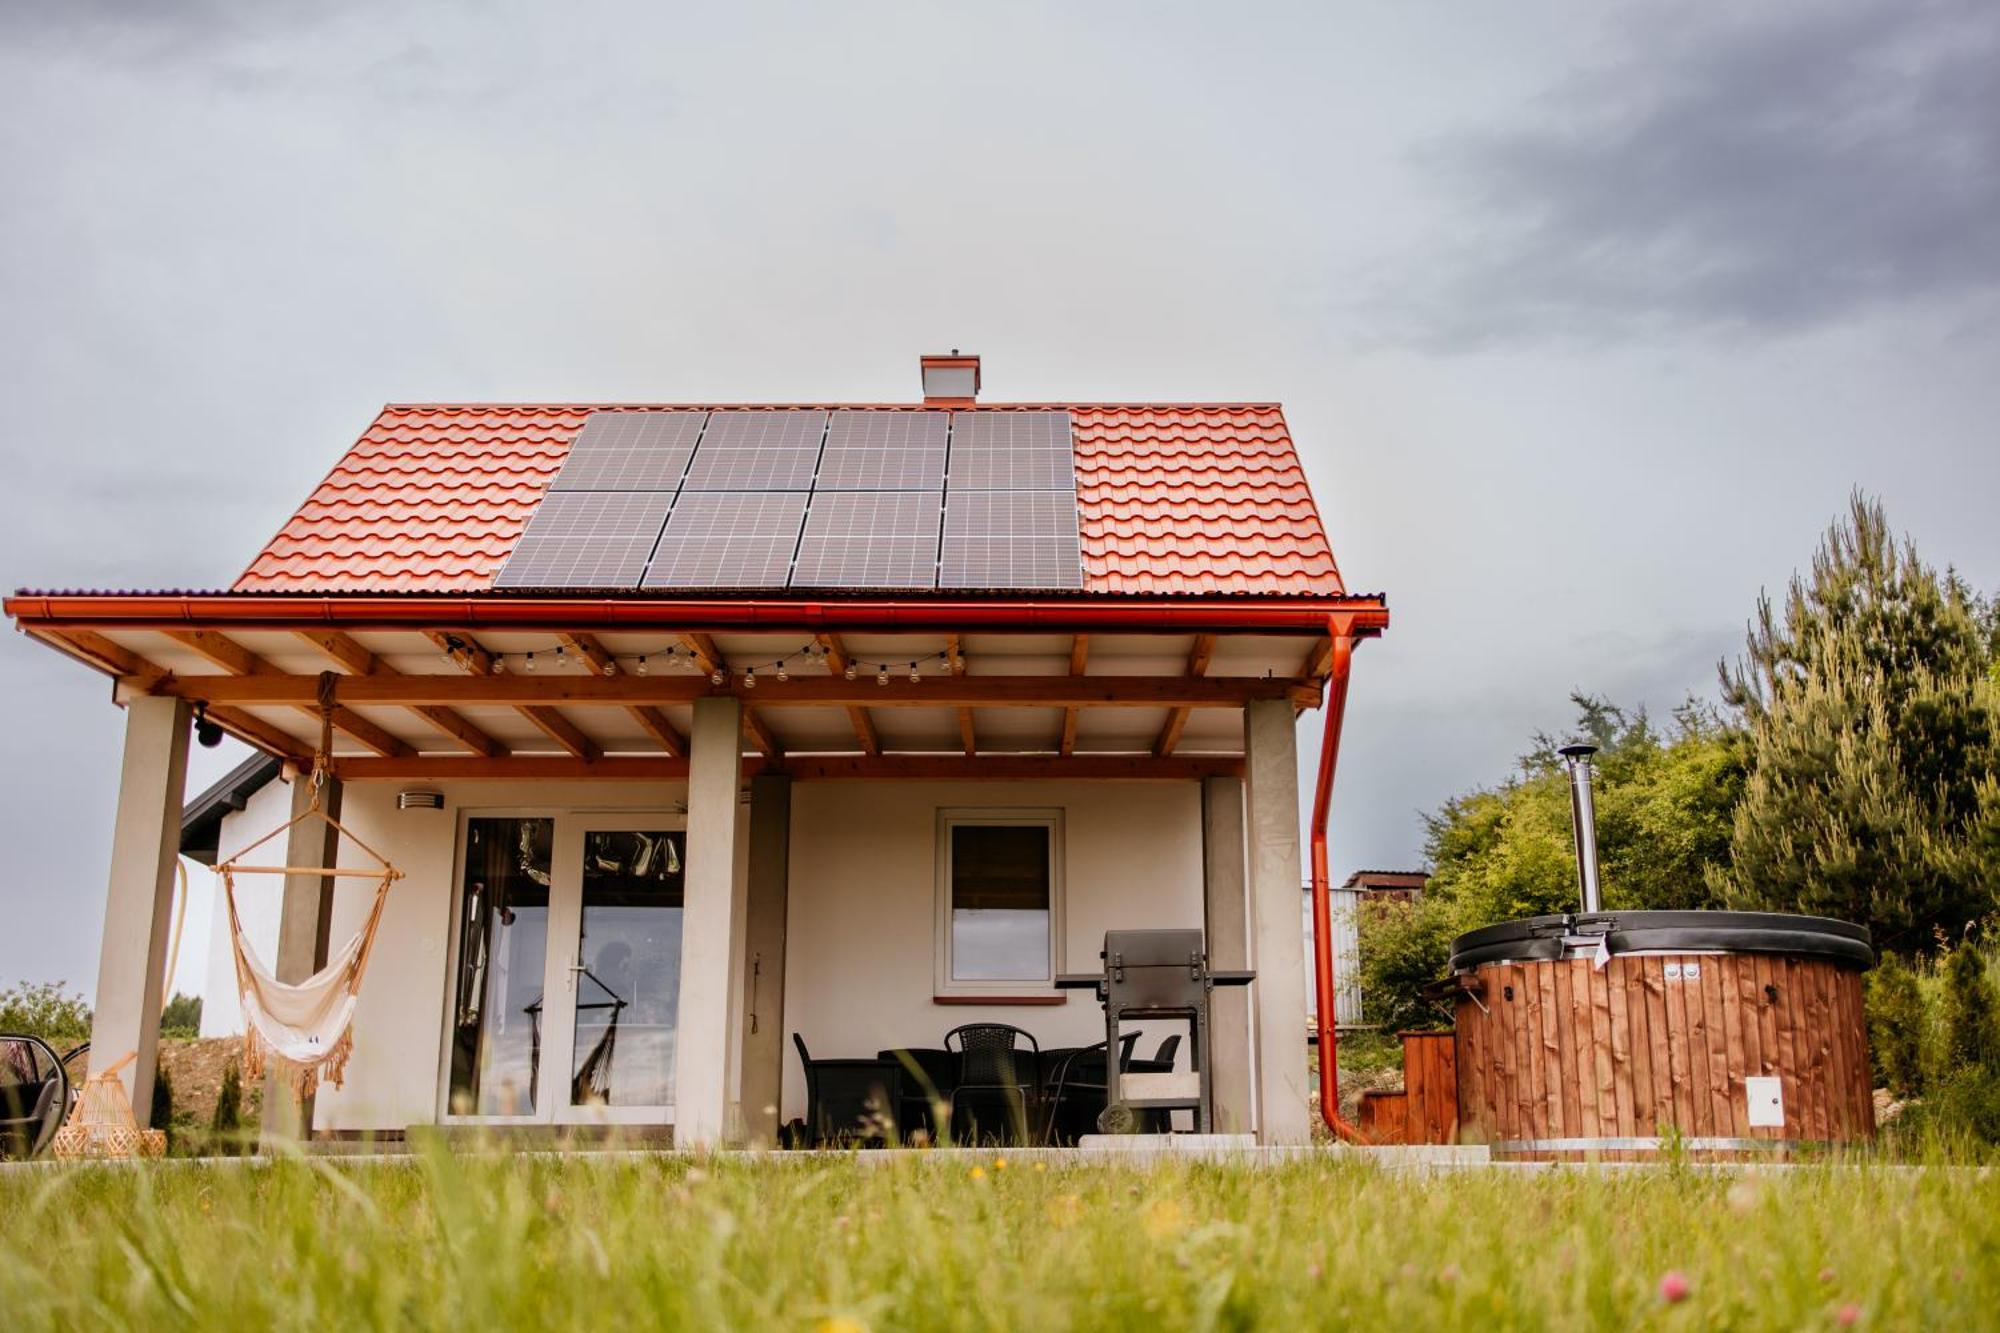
[{"x": 1583, "y": 814}]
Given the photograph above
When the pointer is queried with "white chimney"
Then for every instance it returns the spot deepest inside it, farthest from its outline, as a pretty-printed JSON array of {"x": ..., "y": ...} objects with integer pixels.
[{"x": 950, "y": 381}]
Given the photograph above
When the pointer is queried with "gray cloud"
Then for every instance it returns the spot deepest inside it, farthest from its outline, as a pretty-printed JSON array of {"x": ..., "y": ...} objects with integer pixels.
[{"x": 1771, "y": 172}]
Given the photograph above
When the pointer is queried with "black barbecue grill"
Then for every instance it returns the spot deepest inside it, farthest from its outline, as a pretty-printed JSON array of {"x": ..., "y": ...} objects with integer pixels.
[{"x": 1155, "y": 974}]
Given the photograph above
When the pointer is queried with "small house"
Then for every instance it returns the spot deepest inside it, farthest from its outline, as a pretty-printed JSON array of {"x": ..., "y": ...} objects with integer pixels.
[{"x": 693, "y": 727}]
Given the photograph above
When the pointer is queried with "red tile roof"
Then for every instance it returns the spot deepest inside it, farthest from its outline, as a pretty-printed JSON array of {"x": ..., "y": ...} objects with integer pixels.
[{"x": 1171, "y": 499}]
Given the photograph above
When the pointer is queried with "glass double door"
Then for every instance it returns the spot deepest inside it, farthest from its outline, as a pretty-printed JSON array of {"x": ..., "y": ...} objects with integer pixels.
[{"x": 567, "y": 969}]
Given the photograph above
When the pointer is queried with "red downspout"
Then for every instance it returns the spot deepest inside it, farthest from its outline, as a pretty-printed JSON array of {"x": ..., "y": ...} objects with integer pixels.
[{"x": 1322, "y": 901}]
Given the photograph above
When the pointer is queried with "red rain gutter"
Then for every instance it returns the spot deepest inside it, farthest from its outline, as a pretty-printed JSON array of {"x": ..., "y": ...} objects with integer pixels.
[
  {"x": 417, "y": 611},
  {"x": 1322, "y": 902}
]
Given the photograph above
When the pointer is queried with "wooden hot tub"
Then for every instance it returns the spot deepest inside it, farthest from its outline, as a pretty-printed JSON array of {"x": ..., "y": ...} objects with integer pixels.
[{"x": 1607, "y": 1034}]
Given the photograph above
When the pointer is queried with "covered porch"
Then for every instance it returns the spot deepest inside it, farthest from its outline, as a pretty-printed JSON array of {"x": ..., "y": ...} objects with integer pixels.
[{"x": 790, "y": 801}]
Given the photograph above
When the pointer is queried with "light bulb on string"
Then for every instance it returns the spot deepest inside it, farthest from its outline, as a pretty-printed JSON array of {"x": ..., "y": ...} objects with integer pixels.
[
  {"x": 749, "y": 678},
  {"x": 882, "y": 673},
  {"x": 915, "y": 676},
  {"x": 531, "y": 662},
  {"x": 642, "y": 664},
  {"x": 782, "y": 674},
  {"x": 715, "y": 676},
  {"x": 849, "y": 672}
]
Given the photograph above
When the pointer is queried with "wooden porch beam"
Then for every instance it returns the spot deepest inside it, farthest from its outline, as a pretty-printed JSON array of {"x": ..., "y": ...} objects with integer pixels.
[
  {"x": 800, "y": 692},
  {"x": 1079, "y": 658},
  {"x": 470, "y": 657},
  {"x": 1177, "y": 718},
  {"x": 808, "y": 768},
  {"x": 240, "y": 662},
  {"x": 655, "y": 723},
  {"x": 95, "y": 650},
  {"x": 360, "y": 662},
  {"x": 705, "y": 653}
]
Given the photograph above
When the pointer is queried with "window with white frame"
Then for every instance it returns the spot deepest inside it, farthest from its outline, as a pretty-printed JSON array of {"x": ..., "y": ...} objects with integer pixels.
[{"x": 999, "y": 900}]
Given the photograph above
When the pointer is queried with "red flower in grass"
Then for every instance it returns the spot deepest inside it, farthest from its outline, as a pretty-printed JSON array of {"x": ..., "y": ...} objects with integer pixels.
[{"x": 1674, "y": 1286}]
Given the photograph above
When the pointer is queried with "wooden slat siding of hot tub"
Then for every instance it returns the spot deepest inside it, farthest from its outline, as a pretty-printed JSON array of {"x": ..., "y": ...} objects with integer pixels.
[
  {"x": 1634, "y": 991},
  {"x": 1769, "y": 1048},
  {"x": 1431, "y": 1085},
  {"x": 1472, "y": 1071},
  {"x": 1549, "y": 1030},
  {"x": 1838, "y": 1116},
  {"x": 1864, "y": 1074},
  {"x": 1601, "y": 1045},
  {"x": 1658, "y": 1019},
  {"x": 1722, "y": 1077},
  {"x": 1621, "y": 1048},
  {"x": 1565, "y": 1107},
  {"x": 1743, "y": 997},
  {"x": 1528, "y": 1106}
]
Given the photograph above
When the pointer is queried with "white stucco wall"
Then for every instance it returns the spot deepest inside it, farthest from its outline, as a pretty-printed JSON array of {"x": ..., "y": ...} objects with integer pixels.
[
  {"x": 859, "y": 956},
  {"x": 861, "y": 918},
  {"x": 258, "y": 900}
]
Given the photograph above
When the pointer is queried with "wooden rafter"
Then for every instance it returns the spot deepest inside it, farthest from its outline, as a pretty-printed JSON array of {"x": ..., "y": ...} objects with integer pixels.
[
  {"x": 759, "y": 735},
  {"x": 360, "y": 662},
  {"x": 655, "y": 723},
  {"x": 704, "y": 651},
  {"x": 237, "y": 660},
  {"x": 1177, "y": 718},
  {"x": 1079, "y": 658},
  {"x": 476, "y": 661},
  {"x": 1318, "y": 659},
  {"x": 864, "y": 726},
  {"x": 522, "y": 691},
  {"x": 967, "y": 736}
]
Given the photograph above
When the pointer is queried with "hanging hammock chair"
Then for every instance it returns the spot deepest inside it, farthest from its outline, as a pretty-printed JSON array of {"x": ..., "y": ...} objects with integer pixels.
[{"x": 304, "y": 1029}]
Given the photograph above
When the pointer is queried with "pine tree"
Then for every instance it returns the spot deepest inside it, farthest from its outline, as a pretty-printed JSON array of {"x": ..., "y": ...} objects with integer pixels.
[{"x": 1872, "y": 746}]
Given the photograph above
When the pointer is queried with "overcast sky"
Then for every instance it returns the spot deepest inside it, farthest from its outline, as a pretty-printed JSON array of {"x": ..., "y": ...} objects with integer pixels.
[{"x": 1586, "y": 317}]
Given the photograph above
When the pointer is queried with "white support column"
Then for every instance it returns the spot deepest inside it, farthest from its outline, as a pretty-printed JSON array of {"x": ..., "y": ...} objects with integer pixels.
[
  {"x": 1278, "y": 997},
  {"x": 709, "y": 951},
  {"x": 1227, "y": 927},
  {"x": 132, "y": 961},
  {"x": 764, "y": 961},
  {"x": 305, "y": 920}
]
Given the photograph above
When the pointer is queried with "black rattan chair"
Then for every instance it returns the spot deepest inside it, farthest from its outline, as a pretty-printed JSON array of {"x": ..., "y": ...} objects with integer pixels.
[
  {"x": 995, "y": 1069},
  {"x": 849, "y": 1101}
]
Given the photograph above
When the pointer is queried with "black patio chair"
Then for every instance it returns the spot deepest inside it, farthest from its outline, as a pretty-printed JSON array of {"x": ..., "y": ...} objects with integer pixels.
[
  {"x": 849, "y": 1101},
  {"x": 1162, "y": 1061},
  {"x": 1077, "y": 1087},
  {"x": 995, "y": 1068}
]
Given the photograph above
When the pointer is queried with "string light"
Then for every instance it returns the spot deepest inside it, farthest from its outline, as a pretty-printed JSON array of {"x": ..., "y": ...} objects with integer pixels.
[
  {"x": 849, "y": 672},
  {"x": 531, "y": 663},
  {"x": 642, "y": 664},
  {"x": 782, "y": 674},
  {"x": 882, "y": 673},
  {"x": 715, "y": 676},
  {"x": 915, "y": 678},
  {"x": 749, "y": 678}
]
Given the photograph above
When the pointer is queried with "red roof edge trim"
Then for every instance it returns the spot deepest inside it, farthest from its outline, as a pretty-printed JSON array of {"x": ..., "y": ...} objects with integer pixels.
[{"x": 1366, "y": 615}]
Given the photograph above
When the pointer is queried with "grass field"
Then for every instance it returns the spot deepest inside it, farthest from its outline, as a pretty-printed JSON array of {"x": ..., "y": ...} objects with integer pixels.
[{"x": 937, "y": 1241}]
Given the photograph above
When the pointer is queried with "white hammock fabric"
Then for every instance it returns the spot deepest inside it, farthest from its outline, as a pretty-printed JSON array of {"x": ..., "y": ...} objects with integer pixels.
[{"x": 304, "y": 1028}]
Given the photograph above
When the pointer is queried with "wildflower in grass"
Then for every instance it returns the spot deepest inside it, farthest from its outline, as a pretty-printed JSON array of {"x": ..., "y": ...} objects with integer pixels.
[
  {"x": 1826, "y": 1275},
  {"x": 1064, "y": 1211},
  {"x": 999, "y": 1164},
  {"x": 1674, "y": 1286},
  {"x": 977, "y": 1173},
  {"x": 1848, "y": 1314},
  {"x": 841, "y": 1323},
  {"x": 1448, "y": 1274}
]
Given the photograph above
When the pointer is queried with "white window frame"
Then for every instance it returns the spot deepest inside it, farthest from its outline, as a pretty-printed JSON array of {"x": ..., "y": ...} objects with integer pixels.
[{"x": 942, "y": 981}]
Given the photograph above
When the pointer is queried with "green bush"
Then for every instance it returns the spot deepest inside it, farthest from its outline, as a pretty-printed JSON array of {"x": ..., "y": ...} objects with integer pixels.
[
  {"x": 1971, "y": 1013},
  {"x": 45, "y": 1010},
  {"x": 228, "y": 1117},
  {"x": 1405, "y": 946},
  {"x": 1897, "y": 1019}
]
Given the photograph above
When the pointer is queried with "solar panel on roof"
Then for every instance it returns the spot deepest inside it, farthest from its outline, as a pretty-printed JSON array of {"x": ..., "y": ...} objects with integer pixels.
[
  {"x": 884, "y": 451},
  {"x": 870, "y": 539},
  {"x": 1012, "y": 451},
  {"x": 1022, "y": 539},
  {"x": 728, "y": 540},
  {"x": 630, "y": 451},
  {"x": 586, "y": 539},
  {"x": 758, "y": 450}
]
